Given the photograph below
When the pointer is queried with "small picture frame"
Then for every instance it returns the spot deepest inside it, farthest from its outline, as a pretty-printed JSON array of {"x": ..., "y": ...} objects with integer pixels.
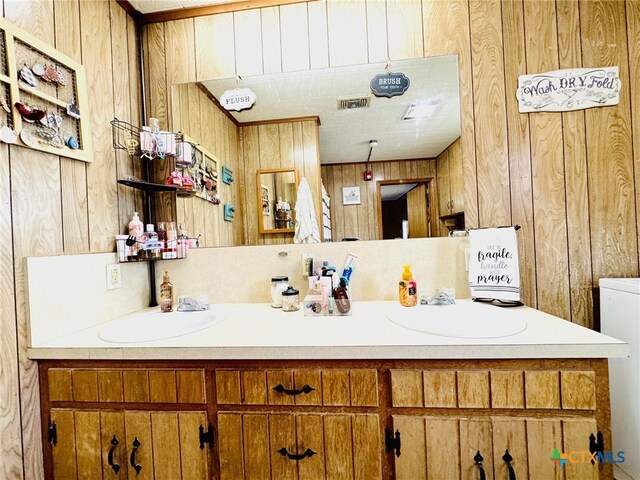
[
  {"x": 265, "y": 200},
  {"x": 351, "y": 196}
]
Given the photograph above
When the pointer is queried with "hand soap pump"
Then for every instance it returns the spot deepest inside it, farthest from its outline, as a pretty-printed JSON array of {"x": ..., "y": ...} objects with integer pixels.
[
  {"x": 166, "y": 294},
  {"x": 408, "y": 291}
]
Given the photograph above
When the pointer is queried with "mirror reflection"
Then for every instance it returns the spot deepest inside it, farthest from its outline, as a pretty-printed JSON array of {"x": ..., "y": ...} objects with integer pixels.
[
  {"x": 323, "y": 122},
  {"x": 276, "y": 199}
]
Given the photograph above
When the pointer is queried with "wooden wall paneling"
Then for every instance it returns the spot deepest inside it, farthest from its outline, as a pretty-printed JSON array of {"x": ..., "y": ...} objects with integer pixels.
[
  {"x": 519, "y": 150},
  {"x": 417, "y": 206},
  {"x": 251, "y": 165},
  {"x": 271, "y": 48},
  {"x": 180, "y": 53},
  {"x": 633, "y": 33},
  {"x": 295, "y": 37},
  {"x": 101, "y": 174},
  {"x": 34, "y": 16},
  {"x": 10, "y": 434},
  {"x": 269, "y": 145},
  {"x": 215, "y": 49},
  {"x": 337, "y": 209},
  {"x": 404, "y": 25},
  {"x": 547, "y": 165},
  {"x": 237, "y": 234},
  {"x": 377, "y": 37},
  {"x": 36, "y": 212},
  {"x": 347, "y": 30},
  {"x": 214, "y": 125},
  {"x": 575, "y": 175},
  {"x": 121, "y": 110},
  {"x": 489, "y": 113},
  {"x": 609, "y": 150},
  {"x": 318, "y": 34},
  {"x": 350, "y": 212},
  {"x": 311, "y": 138},
  {"x": 365, "y": 209},
  {"x": 446, "y": 31},
  {"x": 136, "y": 96},
  {"x": 73, "y": 174},
  {"x": 248, "y": 42},
  {"x": 180, "y": 118}
]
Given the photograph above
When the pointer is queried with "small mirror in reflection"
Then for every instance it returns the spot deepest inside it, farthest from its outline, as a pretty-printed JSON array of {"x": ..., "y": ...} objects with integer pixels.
[{"x": 277, "y": 190}]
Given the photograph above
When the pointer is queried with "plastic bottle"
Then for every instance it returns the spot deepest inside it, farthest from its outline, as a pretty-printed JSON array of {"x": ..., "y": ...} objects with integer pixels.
[
  {"x": 408, "y": 292},
  {"x": 136, "y": 229},
  {"x": 166, "y": 294}
]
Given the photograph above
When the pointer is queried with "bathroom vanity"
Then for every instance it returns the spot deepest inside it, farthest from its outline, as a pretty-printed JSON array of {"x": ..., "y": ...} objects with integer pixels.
[{"x": 265, "y": 394}]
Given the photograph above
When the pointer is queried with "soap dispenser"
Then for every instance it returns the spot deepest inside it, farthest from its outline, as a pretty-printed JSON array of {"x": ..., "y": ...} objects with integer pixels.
[
  {"x": 166, "y": 294},
  {"x": 408, "y": 291}
]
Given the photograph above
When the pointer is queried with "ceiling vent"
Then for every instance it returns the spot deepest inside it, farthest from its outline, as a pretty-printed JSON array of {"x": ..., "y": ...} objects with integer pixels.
[{"x": 355, "y": 102}]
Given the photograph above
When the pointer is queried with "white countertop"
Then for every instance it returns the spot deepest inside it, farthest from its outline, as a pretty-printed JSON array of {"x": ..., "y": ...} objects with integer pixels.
[{"x": 257, "y": 331}]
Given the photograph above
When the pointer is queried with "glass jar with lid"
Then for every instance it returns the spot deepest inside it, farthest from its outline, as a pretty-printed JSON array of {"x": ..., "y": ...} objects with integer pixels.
[
  {"x": 278, "y": 285},
  {"x": 290, "y": 300}
]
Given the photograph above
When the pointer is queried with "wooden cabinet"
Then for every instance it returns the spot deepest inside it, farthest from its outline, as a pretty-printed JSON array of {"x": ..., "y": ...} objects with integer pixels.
[
  {"x": 330, "y": 419},
  {"x": 450, "y": 180}
]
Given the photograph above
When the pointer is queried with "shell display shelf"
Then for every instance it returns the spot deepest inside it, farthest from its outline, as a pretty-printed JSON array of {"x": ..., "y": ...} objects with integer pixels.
[
  {"x": 203, "y": 170},
  {"x": 36, "y": 79}
]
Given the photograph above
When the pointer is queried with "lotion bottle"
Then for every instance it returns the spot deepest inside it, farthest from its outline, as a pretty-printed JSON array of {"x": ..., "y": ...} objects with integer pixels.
[
  {"x": 166, "y": 294},
  {"x": 408, "y": 292},
  {"x": 136, "y": 229}
]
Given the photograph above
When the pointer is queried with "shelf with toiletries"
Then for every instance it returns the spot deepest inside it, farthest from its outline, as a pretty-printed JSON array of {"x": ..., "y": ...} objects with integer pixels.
[{"x": 198, "y": 168}]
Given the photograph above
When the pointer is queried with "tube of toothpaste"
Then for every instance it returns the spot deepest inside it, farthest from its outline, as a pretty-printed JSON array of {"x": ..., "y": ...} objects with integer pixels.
[{"x": 349, "y": 265}]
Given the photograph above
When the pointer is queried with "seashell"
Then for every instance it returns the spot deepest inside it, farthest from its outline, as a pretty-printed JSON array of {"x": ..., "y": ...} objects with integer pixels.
[
  {"x": 50, "y": 74},
  {"x": 27, "y": 76},
  {"x": 73, "y": 111},
  {"x": 7, "y": 135},
  {"x": 29, "y": 114},
  {"x": 72, "y": 143},
  {"x": 27, "y": 139},
  {"x": 62, "y": 78},
  {"x": 38, "y": 69},
  {"x": 4, "y": 104}
]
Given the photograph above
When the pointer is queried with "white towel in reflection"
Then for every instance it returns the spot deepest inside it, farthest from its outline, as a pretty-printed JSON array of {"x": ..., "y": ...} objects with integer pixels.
[
  {"x": 493, "y": 264},
  {"x": 306, "y": 229}
]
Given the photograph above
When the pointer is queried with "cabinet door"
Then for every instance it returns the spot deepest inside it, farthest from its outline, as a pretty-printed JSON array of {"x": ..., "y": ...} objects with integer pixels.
[
  {"x": 510, "y": 448},
  {"x": 298, "y": 446}
]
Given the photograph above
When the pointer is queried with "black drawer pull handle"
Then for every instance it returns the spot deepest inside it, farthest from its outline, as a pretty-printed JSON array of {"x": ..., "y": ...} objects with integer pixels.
[
  {"x": 507, "y": 458},
  {"x": 132, "y": 459},
  {"x": 478, "y": 459},
  {"x": 114, "y": 444},
  {"x": 305, "y": 389},
  {"x": 296, "y": 456}
]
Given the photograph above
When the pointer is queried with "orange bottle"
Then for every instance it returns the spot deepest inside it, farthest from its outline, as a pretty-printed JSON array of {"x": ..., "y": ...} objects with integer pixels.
[{"x": 408, "y": 291}]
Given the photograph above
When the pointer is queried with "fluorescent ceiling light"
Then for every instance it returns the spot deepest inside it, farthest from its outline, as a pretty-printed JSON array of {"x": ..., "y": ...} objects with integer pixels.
[{"x": 421, "y": 109}]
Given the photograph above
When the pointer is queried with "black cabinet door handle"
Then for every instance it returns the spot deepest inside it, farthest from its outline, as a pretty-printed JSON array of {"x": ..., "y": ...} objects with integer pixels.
[
  {"x": 305, "y": 389},
  {"x": 296, "y": 456},
  {"x": 478, "y": 459},
  {"x": 132, "y": 459},
  {"x": 114, "y": 444},
  {"x": 507, "y": 458}
]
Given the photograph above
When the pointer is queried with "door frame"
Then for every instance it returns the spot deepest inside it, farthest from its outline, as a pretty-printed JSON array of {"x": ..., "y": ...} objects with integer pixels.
[{"x": 431, "y": 185}]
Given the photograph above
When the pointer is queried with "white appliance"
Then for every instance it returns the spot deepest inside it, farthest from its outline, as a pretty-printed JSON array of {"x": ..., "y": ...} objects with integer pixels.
[{"x": 620, "y": 318}]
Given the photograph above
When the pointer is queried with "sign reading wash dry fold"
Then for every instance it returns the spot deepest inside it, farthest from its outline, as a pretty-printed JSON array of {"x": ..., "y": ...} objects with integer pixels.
[{"x": 566, "y": 90}]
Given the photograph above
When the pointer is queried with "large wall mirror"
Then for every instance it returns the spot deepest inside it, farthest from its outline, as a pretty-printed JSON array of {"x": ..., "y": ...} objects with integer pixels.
[
  {"x": 415, "y": 136},
  {"x": 277, "y": 188}
]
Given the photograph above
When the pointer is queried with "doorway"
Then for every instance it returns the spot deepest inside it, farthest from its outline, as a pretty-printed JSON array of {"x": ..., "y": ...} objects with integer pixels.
[{"x": 405, "y": 208}]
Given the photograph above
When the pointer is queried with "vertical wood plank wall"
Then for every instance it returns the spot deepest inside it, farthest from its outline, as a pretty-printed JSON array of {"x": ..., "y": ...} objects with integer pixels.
[
  {"x": 362, "y": 221},
  {"x": 577, "y": 202},
  {"x": 569, "y": 179},
  {"x": 194, "y": 114},
  {"x": 52, "y": 205}
]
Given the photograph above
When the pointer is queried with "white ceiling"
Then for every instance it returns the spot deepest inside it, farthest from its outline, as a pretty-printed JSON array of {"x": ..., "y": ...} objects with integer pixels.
[
  {"x": 345, "y": 134},
  {"x": 152, "y": 6}
]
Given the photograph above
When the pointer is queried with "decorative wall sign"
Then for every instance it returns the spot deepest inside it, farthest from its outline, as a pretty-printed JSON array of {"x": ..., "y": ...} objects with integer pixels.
[
  {"x": 389, "y": 84},
  {"x": 43, "y": 96},
  {"x": 238, "y": 99},
  {"x": 570, "y": 89},
  {"x": 350, "y": 195},
  {"x": 227, "y": 175}
]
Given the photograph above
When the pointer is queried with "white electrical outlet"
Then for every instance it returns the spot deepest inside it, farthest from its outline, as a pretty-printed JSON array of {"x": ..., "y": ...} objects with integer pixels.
[{"x": 114, "y": 277}]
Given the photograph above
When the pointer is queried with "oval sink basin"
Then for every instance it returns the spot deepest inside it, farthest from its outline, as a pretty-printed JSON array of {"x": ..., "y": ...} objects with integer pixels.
[
  {"x": 462, "y": 320},
  {"x": 155, "y": 325}
]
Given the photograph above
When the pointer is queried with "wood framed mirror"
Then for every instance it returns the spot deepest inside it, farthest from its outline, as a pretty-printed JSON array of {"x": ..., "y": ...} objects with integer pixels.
[{"x": 277, "y": 189}]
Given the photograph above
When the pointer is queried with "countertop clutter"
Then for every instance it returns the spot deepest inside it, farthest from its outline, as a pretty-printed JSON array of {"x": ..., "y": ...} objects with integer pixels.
[{"x": 375, "y": 330}]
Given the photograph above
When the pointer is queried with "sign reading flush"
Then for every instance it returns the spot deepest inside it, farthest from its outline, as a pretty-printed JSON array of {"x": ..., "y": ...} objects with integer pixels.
[
  {"x": 238, "y": 99},
  {"x": 570, "y": 89}
]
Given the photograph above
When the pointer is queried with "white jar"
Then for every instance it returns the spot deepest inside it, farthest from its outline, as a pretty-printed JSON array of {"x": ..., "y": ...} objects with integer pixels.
[{"x": 278, "y": 285}]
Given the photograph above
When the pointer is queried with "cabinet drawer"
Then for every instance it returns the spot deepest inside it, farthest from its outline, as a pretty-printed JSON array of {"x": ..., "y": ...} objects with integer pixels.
[
  {"x": 287, "y": 445},
  {"x": 126, "y": 385},
  {"x": 339, "y": 387},
  {"x": 512, "y": 389}
]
